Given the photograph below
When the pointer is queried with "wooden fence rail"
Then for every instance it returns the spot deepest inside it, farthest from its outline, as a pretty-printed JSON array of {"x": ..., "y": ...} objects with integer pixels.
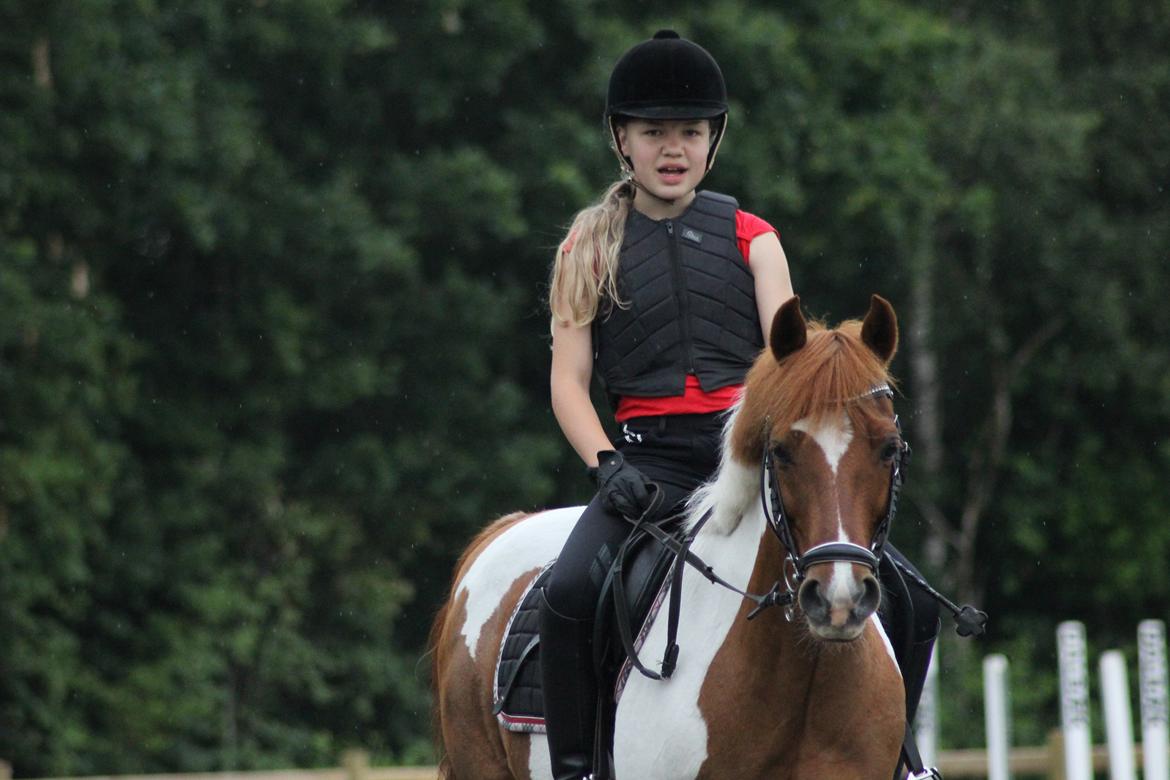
[
  {"x": 1046, "y": 761},
  {"x": 355, "y": 765}
]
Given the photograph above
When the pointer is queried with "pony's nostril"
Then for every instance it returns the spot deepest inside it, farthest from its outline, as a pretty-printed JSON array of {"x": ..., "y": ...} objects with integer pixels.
[
  {"x": 812, "y": 603},
  {"x": 870, "y": 598}
]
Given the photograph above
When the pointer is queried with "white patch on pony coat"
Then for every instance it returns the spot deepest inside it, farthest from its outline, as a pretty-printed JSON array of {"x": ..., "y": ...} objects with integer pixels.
[
  {"x": 886, "y": 641},
  {"x": 834, "y": 439},
  {"x": 730, "y": 493},
  {"x": 645, "y": 746},
  {"x": 728, "y": 496},
  {"x": 539, "y": 763},
  {"x": 527, "y": 545}
]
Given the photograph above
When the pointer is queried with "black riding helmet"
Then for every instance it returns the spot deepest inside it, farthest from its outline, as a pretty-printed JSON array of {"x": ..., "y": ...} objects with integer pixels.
[{"x": 667, "y": 77}]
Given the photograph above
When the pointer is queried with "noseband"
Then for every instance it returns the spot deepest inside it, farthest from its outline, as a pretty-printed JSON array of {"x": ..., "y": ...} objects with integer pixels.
[{"x": 796, "y": 564}]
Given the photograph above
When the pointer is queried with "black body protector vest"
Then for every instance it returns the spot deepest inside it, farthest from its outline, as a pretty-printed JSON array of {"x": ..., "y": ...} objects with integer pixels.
[{"x": 690, "y": 305}]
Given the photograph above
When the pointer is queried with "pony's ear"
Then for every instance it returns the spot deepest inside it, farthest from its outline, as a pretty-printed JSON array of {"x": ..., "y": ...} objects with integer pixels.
[
  {"x": 789, "y": 331},
  {"x": 879, "y": 331}
]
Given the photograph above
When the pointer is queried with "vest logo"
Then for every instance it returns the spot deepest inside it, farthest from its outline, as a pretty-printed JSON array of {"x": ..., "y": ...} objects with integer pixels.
[{"x": 690, "y": 234}]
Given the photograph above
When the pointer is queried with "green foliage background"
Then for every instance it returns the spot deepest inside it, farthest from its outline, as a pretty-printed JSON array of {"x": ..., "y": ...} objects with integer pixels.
[{"x": 273, "y": 346}]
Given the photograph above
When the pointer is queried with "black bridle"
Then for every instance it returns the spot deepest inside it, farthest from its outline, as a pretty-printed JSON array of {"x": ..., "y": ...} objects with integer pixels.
[
  {"x": 796, "y": 564},
  {"x": 968, "y": 620}
]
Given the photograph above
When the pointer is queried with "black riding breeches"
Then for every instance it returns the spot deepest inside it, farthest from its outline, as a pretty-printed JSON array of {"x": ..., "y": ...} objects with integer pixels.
[{"x": 676, "y": 452}]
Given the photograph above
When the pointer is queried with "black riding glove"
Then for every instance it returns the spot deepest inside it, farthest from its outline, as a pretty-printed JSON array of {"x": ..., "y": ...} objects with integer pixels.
[{"x": 623, "y": 489}]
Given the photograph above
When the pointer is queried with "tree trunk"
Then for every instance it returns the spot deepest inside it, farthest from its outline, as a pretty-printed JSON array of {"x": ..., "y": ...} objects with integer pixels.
[{"x": 926, "y": 419}]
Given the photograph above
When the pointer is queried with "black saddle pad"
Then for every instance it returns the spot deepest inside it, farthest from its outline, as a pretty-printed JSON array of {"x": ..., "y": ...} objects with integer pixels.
[{"x": 519, "y": 702}]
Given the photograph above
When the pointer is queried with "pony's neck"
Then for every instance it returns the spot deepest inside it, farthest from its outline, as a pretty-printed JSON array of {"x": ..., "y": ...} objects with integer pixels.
[
  {"x": 733, "y": 492},
  {"x": 730, "y": 494}
]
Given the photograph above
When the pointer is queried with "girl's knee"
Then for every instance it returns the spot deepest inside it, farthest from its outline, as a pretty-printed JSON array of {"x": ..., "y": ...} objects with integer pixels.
[{"x": 569, "y": 593}]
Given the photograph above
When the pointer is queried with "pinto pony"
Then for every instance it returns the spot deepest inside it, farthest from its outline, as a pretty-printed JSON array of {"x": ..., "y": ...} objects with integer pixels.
[{"x": 811, "y": 691}]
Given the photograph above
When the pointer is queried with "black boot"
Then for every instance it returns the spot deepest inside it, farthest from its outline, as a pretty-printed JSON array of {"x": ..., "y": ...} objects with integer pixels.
[
  {"x": 911, "y": 618},
  {"x": 570, "y": 691},
  {"x": 917, "y": 663}
]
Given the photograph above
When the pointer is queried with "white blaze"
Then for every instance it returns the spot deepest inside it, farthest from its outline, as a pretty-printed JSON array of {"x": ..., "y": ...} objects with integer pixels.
[{"x": 833, "y": 437}]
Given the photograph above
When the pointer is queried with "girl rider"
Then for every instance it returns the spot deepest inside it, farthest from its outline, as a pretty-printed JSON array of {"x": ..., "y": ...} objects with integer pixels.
[
  {"x": 660, "y": 291},
  {"x": 667, "y": 295}
]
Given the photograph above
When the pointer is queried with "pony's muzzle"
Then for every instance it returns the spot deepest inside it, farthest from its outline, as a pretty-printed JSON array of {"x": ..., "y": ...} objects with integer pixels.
[{"x": 837, "y": 611}]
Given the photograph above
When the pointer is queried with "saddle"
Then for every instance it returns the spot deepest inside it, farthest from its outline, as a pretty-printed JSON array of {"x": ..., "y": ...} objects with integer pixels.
[{"x": 633, "y": 576}]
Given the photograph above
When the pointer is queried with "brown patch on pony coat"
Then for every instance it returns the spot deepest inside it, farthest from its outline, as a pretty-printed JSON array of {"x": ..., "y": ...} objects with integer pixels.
[
  {"x": 819, "y": 730},
  {"x": 519, "y": 747},
  {"x": 450, "y": 657},
  {"x": 514, "y": 746}
]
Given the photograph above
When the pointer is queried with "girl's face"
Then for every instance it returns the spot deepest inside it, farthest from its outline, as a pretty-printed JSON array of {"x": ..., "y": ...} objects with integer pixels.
[{"x": 670, "y": 159}]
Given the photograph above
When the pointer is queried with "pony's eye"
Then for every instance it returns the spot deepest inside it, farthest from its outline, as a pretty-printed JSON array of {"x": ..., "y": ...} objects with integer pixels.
[
  {"x": 891, "y": 449},
  {"x": 782, "y": 455}
]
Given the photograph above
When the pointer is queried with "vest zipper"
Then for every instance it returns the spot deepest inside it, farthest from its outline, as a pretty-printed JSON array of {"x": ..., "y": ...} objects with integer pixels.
[{"x": 680, "y": 294}]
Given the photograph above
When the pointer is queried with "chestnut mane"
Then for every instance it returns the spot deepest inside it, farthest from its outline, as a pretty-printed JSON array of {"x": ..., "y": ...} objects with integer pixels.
[{"x": 820, "y": 380}]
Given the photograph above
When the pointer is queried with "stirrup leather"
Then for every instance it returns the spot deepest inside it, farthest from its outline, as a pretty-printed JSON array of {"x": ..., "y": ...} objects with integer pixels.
[{"x": 915, "y": 770}]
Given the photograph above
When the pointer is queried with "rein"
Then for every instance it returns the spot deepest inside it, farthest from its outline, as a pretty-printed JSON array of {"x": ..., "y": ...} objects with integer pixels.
[{"x": 683, "y": 556}]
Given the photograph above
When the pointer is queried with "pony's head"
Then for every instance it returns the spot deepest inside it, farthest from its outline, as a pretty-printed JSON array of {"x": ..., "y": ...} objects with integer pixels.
[{"x": 817, "y": 406}]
